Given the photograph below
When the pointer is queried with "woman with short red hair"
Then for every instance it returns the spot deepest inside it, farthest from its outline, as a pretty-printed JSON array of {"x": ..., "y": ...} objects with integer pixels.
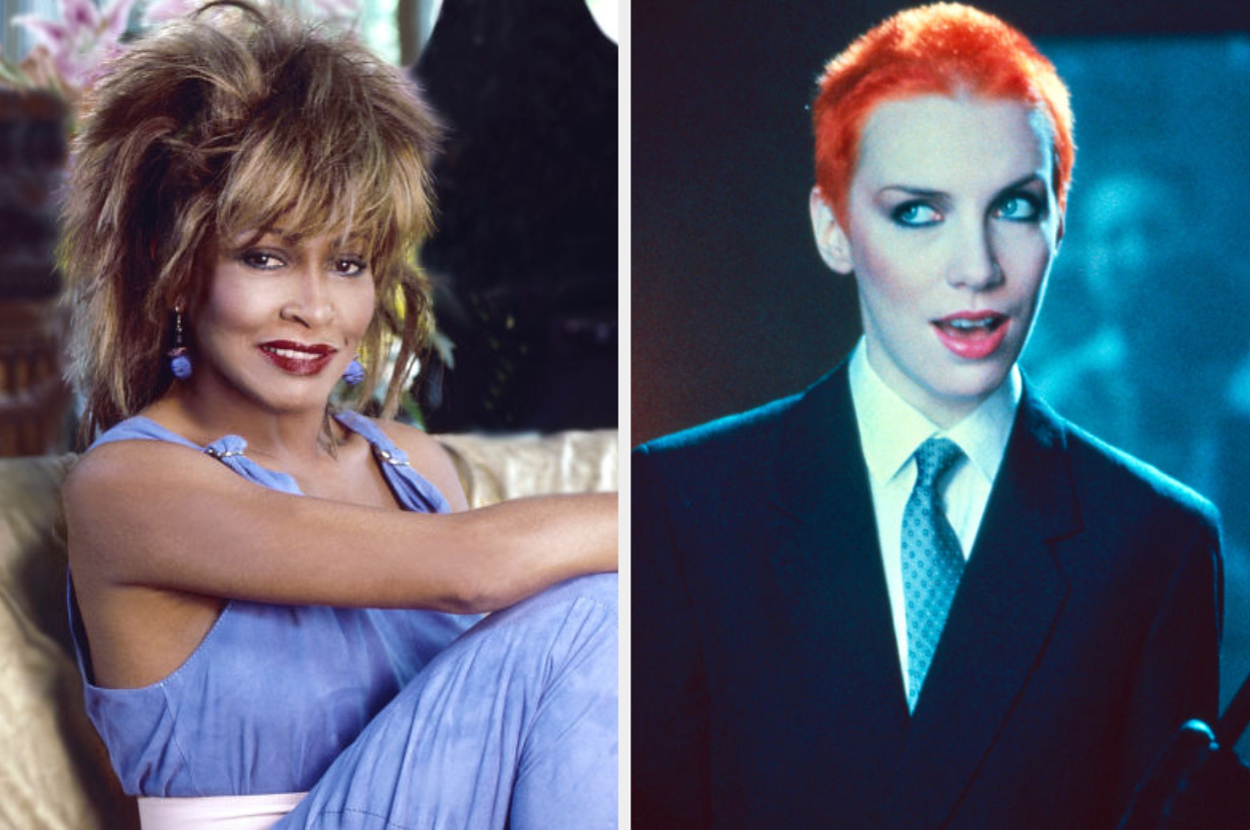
[{"x": 913, "y": 595}]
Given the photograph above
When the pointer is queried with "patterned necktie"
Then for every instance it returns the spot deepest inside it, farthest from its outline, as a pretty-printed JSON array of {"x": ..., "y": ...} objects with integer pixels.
[{"x": 932, "y": 560}]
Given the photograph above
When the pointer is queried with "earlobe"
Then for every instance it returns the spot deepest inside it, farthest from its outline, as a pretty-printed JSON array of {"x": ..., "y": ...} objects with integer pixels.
[{"x": 831, "y": 241}]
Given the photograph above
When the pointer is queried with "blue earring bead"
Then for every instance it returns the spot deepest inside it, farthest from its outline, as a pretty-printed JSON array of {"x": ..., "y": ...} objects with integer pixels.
[
  {"x": 354, "y": 373},
  {"x": 180, "y": 365},
  {"x": 179, "y": 361}
]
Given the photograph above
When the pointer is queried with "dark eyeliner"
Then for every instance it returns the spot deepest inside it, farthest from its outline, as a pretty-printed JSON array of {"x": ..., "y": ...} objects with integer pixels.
[
  {"x": 899, "y": 211},
  {"x": 1038, "y": 206},
  {"x": 355, "y": 265},
  {"x": 249, "y": 257}
]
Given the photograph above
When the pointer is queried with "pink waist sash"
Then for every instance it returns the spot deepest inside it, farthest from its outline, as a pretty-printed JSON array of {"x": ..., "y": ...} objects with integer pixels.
[{"x": 226, "y": 812}]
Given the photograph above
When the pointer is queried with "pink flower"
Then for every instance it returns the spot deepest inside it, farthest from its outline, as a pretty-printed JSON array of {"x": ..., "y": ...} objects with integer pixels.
[
  {"x": 77, "y": 49},
  {"x": 85, "y": 38}
]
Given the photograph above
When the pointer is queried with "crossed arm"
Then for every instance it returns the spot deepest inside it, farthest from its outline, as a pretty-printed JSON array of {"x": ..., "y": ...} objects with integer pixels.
[{"x": 150, "y": 514}]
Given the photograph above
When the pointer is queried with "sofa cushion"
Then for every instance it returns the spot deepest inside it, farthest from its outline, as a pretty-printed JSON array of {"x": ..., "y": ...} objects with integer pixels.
[
  {"x": 495, "y": 468},
  {"x": 54, "y": 773}
]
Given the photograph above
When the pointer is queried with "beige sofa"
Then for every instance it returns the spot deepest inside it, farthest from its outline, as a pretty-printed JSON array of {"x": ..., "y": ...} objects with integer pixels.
[{"x": 54, "y": 773}]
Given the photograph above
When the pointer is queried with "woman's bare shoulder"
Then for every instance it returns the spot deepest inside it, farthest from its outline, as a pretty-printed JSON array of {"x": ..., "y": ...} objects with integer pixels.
[
  {"x": 108, "y": 470},
  {"x": 123, "y": 494},
  {"x": 428, "y": 457}
]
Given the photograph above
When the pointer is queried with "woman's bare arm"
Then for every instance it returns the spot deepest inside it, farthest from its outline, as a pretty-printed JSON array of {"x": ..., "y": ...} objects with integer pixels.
[{"x": 158, "y": 515}]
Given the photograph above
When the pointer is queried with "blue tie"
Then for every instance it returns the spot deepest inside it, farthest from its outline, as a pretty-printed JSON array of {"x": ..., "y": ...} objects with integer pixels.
[{"x": 932, "y": 560}]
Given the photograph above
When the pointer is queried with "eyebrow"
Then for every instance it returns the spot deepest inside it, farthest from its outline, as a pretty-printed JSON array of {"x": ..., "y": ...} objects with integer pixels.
[
  {"x": 294, "y": 238},
  {"x": 925, "y": 193},
  {"x": 287, "y": 237}
]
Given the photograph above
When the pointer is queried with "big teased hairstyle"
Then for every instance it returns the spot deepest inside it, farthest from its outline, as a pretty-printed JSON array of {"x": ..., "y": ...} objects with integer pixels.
[
  {"x": 223, "y": 125},
  {"x": 945, "y": 49}
]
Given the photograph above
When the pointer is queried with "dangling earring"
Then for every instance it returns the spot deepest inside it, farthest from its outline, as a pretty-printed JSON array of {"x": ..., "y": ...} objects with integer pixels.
[
  {"x": 179, "y": 362},
  {"x": 354, "y": 373}
]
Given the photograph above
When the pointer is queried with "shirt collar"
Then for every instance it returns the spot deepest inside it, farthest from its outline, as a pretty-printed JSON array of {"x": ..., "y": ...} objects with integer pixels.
[{"x": 890, "y": 429}]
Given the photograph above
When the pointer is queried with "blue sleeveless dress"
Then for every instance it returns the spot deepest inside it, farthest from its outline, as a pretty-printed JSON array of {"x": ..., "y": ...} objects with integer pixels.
[{"x": 387, "y": 717}]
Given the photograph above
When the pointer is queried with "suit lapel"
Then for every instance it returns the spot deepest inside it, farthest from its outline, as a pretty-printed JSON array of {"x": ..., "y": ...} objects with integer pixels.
[
  {"x": 1008, "y": 600},
  {"x": 832, "y": 590}
]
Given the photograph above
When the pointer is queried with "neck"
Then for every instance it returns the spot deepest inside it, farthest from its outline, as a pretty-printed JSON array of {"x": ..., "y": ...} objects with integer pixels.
[
  {"x": 943, "y": 413},
  {"x": 290, "y": 437}
]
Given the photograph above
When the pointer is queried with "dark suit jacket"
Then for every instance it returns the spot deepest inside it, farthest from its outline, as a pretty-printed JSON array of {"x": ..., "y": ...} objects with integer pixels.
[{"x": 766, "y": 688}]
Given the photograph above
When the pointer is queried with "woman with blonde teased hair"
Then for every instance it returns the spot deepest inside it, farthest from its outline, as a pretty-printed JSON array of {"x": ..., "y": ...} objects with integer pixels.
[{"x": 266, "y": 593}]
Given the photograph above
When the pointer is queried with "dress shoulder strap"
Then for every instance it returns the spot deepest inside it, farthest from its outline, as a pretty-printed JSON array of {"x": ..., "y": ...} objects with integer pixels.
[
  {"x": 414, "y": 490},
  {"x": 228, "y": 449},
  {"x": 139, "y": 427},
  {"x": 368, "y": 429}
]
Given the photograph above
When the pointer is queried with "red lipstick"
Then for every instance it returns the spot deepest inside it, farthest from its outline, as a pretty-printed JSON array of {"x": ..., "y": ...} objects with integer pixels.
[
  {"x": 298, "y": 358},
  {"x": 972, "y": 335}
]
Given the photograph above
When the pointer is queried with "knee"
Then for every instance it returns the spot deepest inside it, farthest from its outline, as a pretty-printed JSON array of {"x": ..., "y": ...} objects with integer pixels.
[
  {"x": 570, "y": 615},
  {"x": 601, "y": 589}
]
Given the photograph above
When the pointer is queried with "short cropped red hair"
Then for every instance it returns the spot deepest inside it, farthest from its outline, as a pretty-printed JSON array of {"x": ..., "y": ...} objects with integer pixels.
[{"x": 945, "y": 49}]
